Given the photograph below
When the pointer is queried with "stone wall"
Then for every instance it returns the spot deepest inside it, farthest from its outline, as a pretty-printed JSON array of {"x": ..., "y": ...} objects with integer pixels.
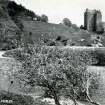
[{"x": 93, "y": 20}]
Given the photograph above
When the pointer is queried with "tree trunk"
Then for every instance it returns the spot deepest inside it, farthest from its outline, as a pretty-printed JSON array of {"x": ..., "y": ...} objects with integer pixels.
[
  {"x": 75, "y": 102},
  {"x": 73, "y": 98},
  {"x": 56, "y": 99},
  {"x": 87, "y": 93}
]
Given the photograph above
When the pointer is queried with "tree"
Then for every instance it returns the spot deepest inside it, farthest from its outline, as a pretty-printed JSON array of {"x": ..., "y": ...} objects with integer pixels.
[
  {"x": 82, "y": 27},
  {"x": 75, "y": 26},
  {"x": 44, "y": 18},
  {"x": 38, "y": 18},
  {"x": 30, "y": 13},
  {"x": 14, "y": 9},
  {"x": 59, "y": 72},
  {"x": 66, "y": 22}
]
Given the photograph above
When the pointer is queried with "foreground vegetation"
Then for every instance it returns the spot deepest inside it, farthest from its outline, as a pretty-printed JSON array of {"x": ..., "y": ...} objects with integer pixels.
[{"x": 58, "y": 72}]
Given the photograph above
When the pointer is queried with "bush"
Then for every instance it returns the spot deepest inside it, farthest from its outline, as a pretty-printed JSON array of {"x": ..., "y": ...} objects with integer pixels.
[
  {"x": 100, "y": 56},
  {"x": 44, "y": 18},
  {"x": 39, "y": 102},
  {"x": 67, "y": 22}
]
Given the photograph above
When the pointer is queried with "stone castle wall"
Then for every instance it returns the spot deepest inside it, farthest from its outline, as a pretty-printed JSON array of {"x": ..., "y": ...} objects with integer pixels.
[{"x": 93, "y": 20}]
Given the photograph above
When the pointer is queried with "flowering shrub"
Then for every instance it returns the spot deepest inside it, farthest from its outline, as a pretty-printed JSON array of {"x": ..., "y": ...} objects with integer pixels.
[{"x": 60, "y": 72}]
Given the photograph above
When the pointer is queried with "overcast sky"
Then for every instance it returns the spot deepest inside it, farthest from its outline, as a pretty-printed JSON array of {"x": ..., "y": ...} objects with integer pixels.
[{"x": 56, "y": 10}]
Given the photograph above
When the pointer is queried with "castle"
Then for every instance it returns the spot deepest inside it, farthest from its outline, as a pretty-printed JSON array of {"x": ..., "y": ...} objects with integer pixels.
[{"x": 93, "y": 21}]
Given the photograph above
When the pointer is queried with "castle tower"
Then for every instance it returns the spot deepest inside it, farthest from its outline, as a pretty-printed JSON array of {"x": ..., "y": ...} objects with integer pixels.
[
  {"x": 92, "y": 20},
  {"x": 98, "y": 21}
]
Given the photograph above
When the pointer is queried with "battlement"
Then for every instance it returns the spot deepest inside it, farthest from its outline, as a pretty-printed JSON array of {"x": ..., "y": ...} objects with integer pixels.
[{"x": 92, "y": 11}]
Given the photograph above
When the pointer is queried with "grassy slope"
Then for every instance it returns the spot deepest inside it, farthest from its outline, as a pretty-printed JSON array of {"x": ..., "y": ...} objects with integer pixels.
[
  {"x": 8, "y": 28},
  {"x": 54, "y": 30}
]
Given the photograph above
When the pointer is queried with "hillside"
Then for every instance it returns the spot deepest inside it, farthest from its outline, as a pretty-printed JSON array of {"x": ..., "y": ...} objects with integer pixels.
[
  {"x": 8, "y": 29},
  {"x": 54, "y": 30},
  {"x": 18, "y": 23},
  {"x": 60, "y": 34},
  {"x": 16, "y": 19}
]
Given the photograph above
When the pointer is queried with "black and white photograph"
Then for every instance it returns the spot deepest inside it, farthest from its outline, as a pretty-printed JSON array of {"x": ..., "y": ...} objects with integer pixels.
[{"x": 52, "y": 52}]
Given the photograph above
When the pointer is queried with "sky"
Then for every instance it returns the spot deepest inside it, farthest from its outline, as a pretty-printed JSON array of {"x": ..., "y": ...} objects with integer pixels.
[{"x": 56, "y": 10}]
